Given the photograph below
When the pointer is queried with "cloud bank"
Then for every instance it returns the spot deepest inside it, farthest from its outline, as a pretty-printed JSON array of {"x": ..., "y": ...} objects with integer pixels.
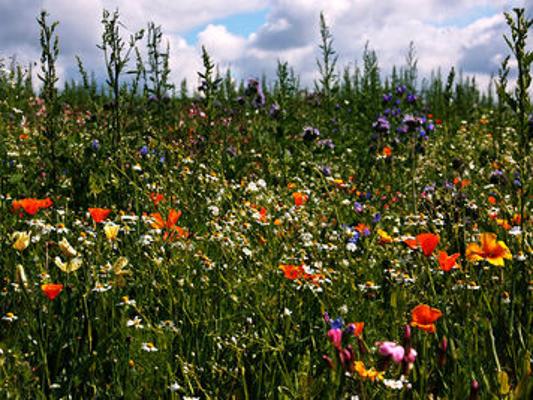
[{"x": 466, "y": 34}]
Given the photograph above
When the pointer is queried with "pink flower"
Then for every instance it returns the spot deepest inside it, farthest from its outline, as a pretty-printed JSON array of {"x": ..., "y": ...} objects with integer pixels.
[
  {"x": 392, "y": 350},
  {"x": 335, "y": 335},
  {"x": 410, "y": 357}
]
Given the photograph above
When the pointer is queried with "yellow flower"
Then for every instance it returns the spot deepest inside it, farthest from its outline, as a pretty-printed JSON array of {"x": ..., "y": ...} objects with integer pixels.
[
  {"x": 69, "y": 266},
  {"x": 67, "y": 248},
  {"x": 22, "y": 240},
  {"x": 111, "y": 231},
  {"x": 384, "y": 237},
  {"x": 490, "y": 250},
  {"x": 371, "y": 374}
]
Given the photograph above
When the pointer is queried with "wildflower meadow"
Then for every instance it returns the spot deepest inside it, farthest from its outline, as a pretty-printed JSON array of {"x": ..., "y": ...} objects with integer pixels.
[{"x": 365, "y": 238}]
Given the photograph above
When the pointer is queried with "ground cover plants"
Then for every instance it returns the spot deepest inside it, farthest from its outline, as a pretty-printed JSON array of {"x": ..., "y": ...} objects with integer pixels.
[{"x": 369, "y": 238}]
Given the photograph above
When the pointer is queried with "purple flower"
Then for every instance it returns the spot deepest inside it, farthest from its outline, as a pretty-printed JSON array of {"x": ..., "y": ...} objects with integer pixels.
[
  {"x": 400, "y": 90},
  {"x": 402, "y": 129},
  {"x": 310, "y": 133},
  {"x": 254, "y": 89},
  {"x": 411, "y": 121},
  {"x": 326, "y": 170},
  {"x": 326, "y": 143},
  {"x": 382, "y": 124},
  {"x": 358, "y": 207},
  {"x": 387, "y": 97},
  {"x": 143, "y": 151},
  {"x": 274, "y": 110},
  {"x": 95, "y": 145},
  {"x": 377, "y": 218},
  {"x": 411, "y": 98}
]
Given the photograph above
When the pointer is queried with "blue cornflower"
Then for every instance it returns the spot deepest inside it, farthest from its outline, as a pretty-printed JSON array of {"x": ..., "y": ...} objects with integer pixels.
[{"x": 337, "y": 323}]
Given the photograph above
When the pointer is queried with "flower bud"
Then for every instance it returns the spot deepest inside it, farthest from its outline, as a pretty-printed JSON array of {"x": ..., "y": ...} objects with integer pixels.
[{"x": 474, "y": 390}]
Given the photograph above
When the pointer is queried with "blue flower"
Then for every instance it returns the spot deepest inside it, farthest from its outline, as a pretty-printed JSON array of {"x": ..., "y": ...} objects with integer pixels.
[
  {"x": 95, "y": 145},
  {"x": 337, "y": 323},
  {"x": 144, "y": 150}
]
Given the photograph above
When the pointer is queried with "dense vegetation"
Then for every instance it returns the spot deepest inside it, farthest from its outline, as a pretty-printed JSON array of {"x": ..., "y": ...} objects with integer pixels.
[{"x": 368, "y": 237}]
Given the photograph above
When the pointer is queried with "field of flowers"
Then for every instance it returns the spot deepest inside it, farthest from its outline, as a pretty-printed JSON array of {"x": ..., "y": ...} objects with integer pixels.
[{"x": 369, "y": 239}]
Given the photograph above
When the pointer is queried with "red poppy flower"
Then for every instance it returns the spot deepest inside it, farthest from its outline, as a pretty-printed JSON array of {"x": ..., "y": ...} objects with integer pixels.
[
  {"x": 156, "y": 198},
  {"x": 52, "y": 290},
  {"x": 292, "y": 272},
  {"x": 428, "y": 242},
  {"x": 424, "y": 317},
  {"x": 411, "y": 243},
  {"x": 99, "y": 214},
  {"x": 31, "y": 206},
  {"x": 263, "y": 217},
  {"x": 299, "y": 198},
  {"x": 447, "y": 262}
]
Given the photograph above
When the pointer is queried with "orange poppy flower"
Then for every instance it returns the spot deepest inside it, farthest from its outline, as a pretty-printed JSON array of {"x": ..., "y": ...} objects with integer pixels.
[
  {"x": 52, "y": 290},
  {"x": 447, "y": 262},
  {"x": 31, "y": 206},
  {"x": 292, "y": 272},
  {"x": 428, "y": 242},
  {"x": 357, "y": 328},
  {"x": 491, "y": 250},
  {"x": 387, "y": 151},
  {"x": 169, "y": 224},
  {"x": 492, "y": 200},
  {"x": 424, "y": 317},
  {"x": 299, "y": 198},
  {"x": 99, "y": 214},
  {"x": 171, "y": 221},
  {"x": 362, "y": 228}
]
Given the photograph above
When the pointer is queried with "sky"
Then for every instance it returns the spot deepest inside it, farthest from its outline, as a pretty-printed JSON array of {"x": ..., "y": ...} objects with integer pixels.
[{"x": 250, "y": 36}]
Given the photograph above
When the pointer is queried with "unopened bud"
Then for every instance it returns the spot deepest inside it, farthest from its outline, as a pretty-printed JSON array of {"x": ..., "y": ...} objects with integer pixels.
[
  {"x": 328, "y": 360},
  {"x": 474, "y": 390},
  {"x": 21, "y": 276}
]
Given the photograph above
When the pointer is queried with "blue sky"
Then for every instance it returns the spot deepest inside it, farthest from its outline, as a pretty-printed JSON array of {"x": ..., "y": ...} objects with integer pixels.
[
  {"x": 242, "y": 24},
  {"x": 250, "y": 36}
]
